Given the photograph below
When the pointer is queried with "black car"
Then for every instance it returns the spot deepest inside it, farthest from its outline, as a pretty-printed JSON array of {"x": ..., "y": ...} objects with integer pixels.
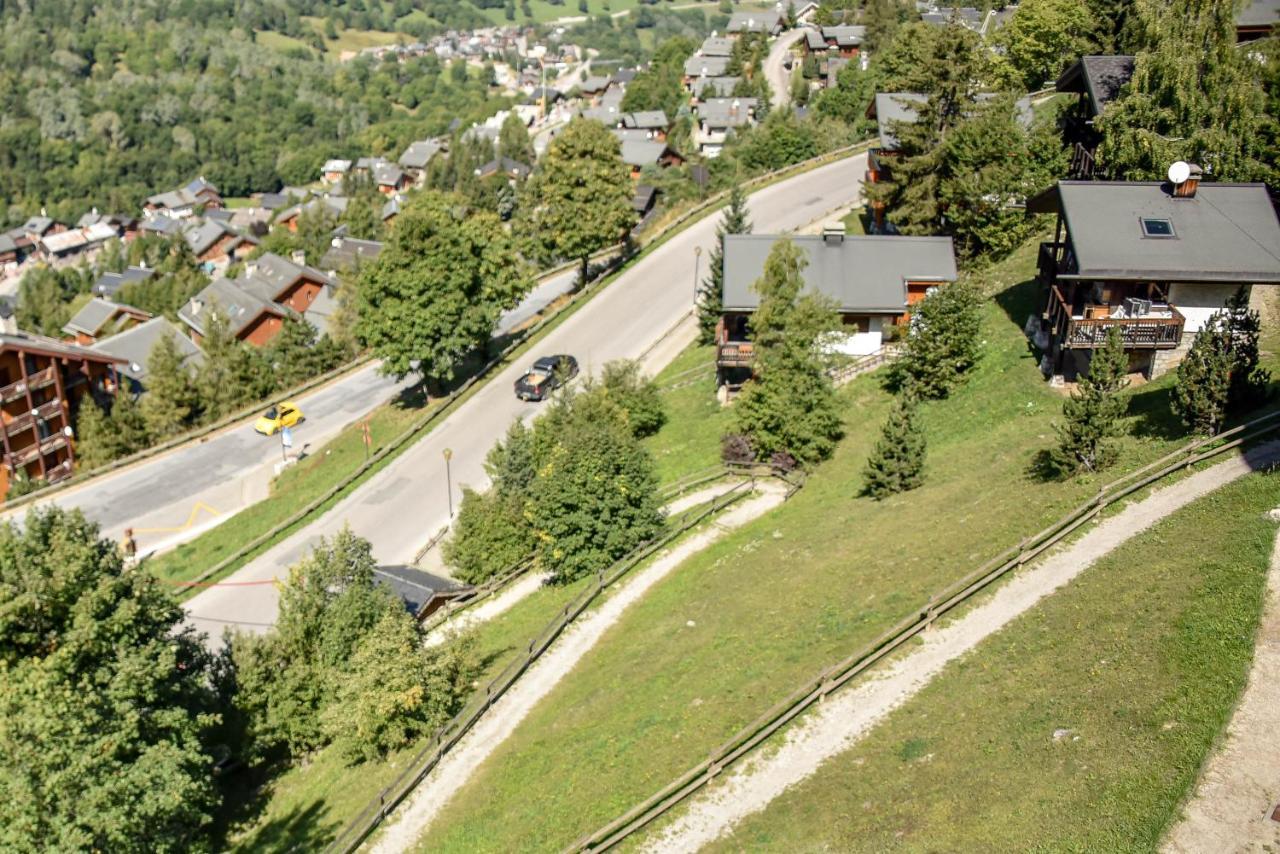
[{"x": 546, "y": 375}]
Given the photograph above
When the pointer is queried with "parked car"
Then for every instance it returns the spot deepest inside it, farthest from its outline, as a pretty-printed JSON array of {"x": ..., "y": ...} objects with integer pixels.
[
  {"x": 545, "y": 376},
  {"x": 276, "y": 418}
]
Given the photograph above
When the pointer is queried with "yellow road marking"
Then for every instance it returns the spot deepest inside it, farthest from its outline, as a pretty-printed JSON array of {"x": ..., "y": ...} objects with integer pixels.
[{"x": 191, "y": 520}]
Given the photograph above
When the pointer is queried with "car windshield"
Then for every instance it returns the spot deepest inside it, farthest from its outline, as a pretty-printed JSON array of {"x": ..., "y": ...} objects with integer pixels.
[{"x": 271, "y": 414}]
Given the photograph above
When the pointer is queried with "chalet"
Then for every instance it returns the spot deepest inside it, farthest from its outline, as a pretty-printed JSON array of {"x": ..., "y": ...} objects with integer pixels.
[
  {"x": 284, "y": 282},
  {"x": 418, "y": 155},
  {"x": 716, "y": 46},
  {"x": 389, "y": 178},
  {"x": 38, "y": 227},
  {"x": 161, "y": 225},
  {"x": 594, "y": 86},
  {"x": 108, "y": 284},
  {"x": 607, "y": 116},
  {"x": 125, "y": 226},
  {"x": 707, "y": 88},
  {"x": 545, "y": 96},
  {"x": 978, "y": 20},
  {"x": 346, "y": 254},
  {"x": 213, "y": 241},
  {"x": 1257, "y": 20},
  {"x": 843, "y": 41},
  {"x": 763, "y": 23},
  {"x": 644, "y": 200},
  {"x": 888, "y": 109},
  {"x": 622, "y": 77},
  {"x": 390, "y": 210},
  {"x": 514, "y": 170},
  {"x": 99, "y": 318},
  {"x": 653, "y": 121},
  {"x": 331, "y": 206},
  {"x": 698, "y": 68},
  {"x": 42, "y": 385},
  {"x": 14, "y": 248},
  {"x": 638, "y": 154},
  {"x": 421, "y": 592},
  {"x": 874, "y": 281},
  {"x": 250, "y": 318},
  {"x": 183, "y": 201},
  {"x": 76, "y": 242},
  {"x": 134, "y": 347},
  {"x": 1096, "y": 81},
  {"x": 334, "y": 170},
  {"x": 717, "y": 118},
  {"x": 1154, "y": 260}
]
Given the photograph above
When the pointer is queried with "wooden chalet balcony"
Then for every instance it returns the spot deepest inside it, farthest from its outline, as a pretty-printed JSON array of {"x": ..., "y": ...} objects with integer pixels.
[
  {"x": 1051, "y": 262},
  {"x": 40, "y": 379},
  {"x": 735, "y": 354},
  {"x": 1137, "y": 333},
  {"x": 26, "y": 420},
  {"x": 1083, "y": 164},
  {"x": 22, "y": 456}
]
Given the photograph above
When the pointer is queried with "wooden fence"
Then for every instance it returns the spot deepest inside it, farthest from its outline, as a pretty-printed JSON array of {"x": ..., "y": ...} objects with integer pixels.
[
  {"x": 455, "y": 729},
  {"x": 837, "y": 675}
]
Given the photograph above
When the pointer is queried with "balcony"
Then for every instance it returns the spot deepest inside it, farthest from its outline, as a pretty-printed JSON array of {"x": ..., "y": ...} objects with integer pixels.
[
  {"x": 27, "y": 420},
  {"x": 39, "y": 379},
  {"x": 1148, "y": 332},
  {"x": 735, "y": 354}
]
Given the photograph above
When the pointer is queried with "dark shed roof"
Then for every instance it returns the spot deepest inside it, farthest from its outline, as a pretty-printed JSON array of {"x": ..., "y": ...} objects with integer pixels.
[{"x": 1098, "y": 76}]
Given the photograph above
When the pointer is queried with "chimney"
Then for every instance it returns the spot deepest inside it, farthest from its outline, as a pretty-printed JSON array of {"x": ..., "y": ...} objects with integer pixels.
[
  {"x": 833, "y": 234},
  {"x": 1185, "y": 178},
  {"x": 298, "y": 257}
]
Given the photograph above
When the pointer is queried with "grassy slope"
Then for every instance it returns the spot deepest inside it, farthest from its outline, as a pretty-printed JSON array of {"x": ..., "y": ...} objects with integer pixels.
[
  {"x": 1142, "y": 658},
  {"x": 690, "y": 440},
  {"x": 788, "y": 594}
]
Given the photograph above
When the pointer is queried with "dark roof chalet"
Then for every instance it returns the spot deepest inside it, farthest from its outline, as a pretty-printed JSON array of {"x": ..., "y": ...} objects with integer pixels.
[
  {"x": 862, "y": 274},
  {"x": 1098, "y": 77},
  {"x": 95, "y": 315},
  {"x": 890, "y": 107},
  {"x": 134, "y": 346},
  {"x": 29, "y": 342},
  {"x": 417, "y": 588},
  {"x": 1226, "y": 233}
]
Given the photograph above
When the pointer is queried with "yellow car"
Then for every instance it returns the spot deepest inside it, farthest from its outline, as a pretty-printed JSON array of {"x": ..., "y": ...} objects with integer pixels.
[{"x": 277, "y": 418}]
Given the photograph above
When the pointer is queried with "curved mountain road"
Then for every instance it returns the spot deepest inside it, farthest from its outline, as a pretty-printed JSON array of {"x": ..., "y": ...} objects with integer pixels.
[{"x": 399, "y": 508}]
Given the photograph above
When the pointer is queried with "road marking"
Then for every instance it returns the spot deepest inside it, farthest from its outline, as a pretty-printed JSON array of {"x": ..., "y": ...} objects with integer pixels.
[{"x": 191, "y": 520}]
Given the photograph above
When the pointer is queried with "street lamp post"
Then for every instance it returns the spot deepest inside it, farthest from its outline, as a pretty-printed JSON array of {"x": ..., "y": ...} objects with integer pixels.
[
  {"x": 448, "y": 479},
  {"x": 697, "y": 259}
]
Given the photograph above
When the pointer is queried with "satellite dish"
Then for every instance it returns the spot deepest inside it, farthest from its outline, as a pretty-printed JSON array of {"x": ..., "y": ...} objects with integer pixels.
[{"x": 1179, "y": 172}]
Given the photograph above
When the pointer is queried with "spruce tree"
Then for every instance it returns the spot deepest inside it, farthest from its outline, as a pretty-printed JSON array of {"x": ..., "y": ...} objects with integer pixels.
[
  {"x": 1244, "y": 326},
  {"x": 789, "y": 406},
  {"x": 1203, "y": 385},
  {"x": 1092, "y": 414},
  {"x": 896, "y": 463},
  {"x": 711, "y": 291},
  {"x": 128, "y": 423},
  {"x": 170, "y": 402},
  {"x": 96, "y": 443},
  {"x": 942, "y": 342},
  {"x": 215, "y": 380}
]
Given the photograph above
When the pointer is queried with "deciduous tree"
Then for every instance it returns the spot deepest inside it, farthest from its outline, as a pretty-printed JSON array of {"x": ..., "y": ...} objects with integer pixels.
[
  {"x": 580, "y": 194},
  {"x": 942, "y": 342},
  {"x": 439, "y": 287}
]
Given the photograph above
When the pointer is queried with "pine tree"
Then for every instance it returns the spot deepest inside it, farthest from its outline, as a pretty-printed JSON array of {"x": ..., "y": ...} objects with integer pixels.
[
  {"x": 1092, "y": 414},
  {"x": 128, "y": 423},
  {"x": 896, "y": 463},
  {"x": 711, "y": 292},
  {"x": 169, "y": 404},
  {"x": 942, "y": 342},
  {"x": 1203, "y": 385},
  {"x": 789, "y": 405},
  {"x": 215, "y": 381},
  {"x": 96, "y": 443},
  {"x": 1244, "y": 327}
]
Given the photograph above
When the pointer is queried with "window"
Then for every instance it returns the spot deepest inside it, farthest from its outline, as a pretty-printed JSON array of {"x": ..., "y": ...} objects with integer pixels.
[{"x": 1156, "y": 227}]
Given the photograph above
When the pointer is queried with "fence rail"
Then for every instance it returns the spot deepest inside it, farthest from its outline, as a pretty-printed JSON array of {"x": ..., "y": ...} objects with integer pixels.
[
  {"x": 454, "y": 730},
  {"x": 950, "y": 597}
]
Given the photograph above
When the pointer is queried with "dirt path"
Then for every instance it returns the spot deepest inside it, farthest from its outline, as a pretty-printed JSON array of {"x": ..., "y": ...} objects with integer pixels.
[
  {"x": 845, "y": 718},
  {"x": 416, "y": 814},
  {"x": 1240, "y": 785}
]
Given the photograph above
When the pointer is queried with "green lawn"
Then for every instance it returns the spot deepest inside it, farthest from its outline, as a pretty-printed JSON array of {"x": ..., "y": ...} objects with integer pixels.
[
  {"x": 777, "y": 600},
  {"x": 353, "y": 39},
  {"x": 855, "y": 221},
  {"x": 279, "y": 41},
  {"x": 1141, "y": 659},
  {"x": 695, "y": 419}
]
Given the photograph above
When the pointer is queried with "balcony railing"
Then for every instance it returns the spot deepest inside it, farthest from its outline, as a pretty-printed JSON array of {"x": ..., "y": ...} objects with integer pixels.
[
  {"x": 1145, "y": 333},
  {"x": 1083, "y": 164},
  {"x": 735, "y": 354},
  {"x": 27, "y": 420},
  {"x": 39, "y": 379}
]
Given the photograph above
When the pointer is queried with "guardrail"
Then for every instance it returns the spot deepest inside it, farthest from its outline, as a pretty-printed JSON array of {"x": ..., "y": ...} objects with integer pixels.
[
  {"x": 837, "y": 675},
  {"x": 445, "y": 738}
]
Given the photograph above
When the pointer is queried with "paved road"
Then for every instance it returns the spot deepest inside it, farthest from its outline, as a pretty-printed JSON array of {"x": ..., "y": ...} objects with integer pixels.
[
  {"x": 775, "y": 72},
  {"x": 178, "y": 495},
  {"x": 400, "y": 508}
]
